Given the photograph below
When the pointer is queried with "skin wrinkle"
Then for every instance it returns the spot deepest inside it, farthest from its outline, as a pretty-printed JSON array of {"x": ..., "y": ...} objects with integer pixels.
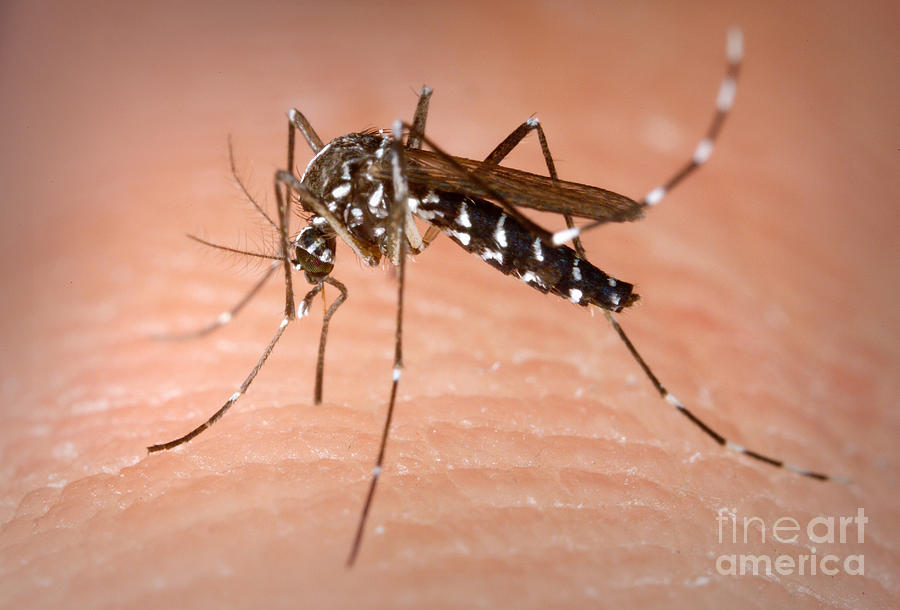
[{"x": 743, "y": 270}]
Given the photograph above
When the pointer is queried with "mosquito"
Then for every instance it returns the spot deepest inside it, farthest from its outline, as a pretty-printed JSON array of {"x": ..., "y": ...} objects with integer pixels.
[{"x": 366, "y": 188}]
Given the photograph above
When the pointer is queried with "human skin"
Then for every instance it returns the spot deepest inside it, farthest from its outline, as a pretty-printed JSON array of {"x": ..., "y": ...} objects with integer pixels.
[{"x": 530, "y": 464}]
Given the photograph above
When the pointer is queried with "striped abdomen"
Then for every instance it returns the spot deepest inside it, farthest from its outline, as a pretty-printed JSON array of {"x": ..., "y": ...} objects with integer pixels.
[{"x": 482, "y": 228}]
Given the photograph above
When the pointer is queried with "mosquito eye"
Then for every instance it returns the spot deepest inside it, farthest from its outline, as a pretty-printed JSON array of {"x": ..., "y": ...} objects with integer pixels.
[{"x": 314, "y": 253}]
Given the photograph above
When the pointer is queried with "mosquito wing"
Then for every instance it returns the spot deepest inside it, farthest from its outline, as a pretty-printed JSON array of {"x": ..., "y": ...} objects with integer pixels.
[{"x": 467, "y": 177}]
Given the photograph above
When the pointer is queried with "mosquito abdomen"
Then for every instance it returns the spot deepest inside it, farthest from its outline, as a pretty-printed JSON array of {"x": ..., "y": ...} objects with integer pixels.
[{"x": 484, "y": 229}]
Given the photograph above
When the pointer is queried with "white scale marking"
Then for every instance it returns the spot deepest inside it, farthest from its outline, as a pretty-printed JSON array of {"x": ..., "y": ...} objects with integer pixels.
[
  {"x": 736, "y": 447},
  {"x": 727, "y": 91},
  {"x": 492, "y": 255},
  {"x": 464, "y": 238},
  {"x": 703, "y": 151},
  {"x": 670, "y": 398},
  {"x": 235, "y": 396},
  {"x": 575, "y": 295},
  {"x": 538, "y": 251},
  {"x": 375, "y": 197},
  {"x": 655, "y": 196},
  {"x": 397, "y": 372},
  {"x": 339, "y": 192},
  {"x": 576, "y": 272},
  {"x": 314, "y": 159},
  {"x": 224, "y": 317},
  {"x": 314, "y": 247},
  {"x": 561, "y": 237},
  {"x": 530, "y": 277},
  {"x": 429, "y": 214},
  {"x": 463, "y": 218},
  {"x": 500, "y": 232},
  {"x": 611, "y": 281}
]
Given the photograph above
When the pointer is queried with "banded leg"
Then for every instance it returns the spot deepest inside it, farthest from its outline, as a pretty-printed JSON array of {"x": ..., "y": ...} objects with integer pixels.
[
  {"x": 511, "y": 141},
  {"x": 398, "y": 213},
  {"x": 226, "y": 316},
  {"x": 307, "y": 300},
  {"x": 724, "y": 102},
  {"x": 289, "y": 315},
  {"x": 721, "y": 440}
]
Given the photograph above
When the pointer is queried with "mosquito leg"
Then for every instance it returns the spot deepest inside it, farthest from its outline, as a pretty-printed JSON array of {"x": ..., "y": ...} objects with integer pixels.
[
  {"x": 414, "y": 139},
  {"x": 226, "y": 316},
  {"x": 230, "y": 402},
  {"x": 244, "y": 386},
  {"x": 285, "y": 247},
  {"x": 289, "y": 315},
  {"x": 298, "y": 122},
  {"x": 669, "y": 398},
  {"x": 398, "y": 213},
  {"x": 429, "y": 236},
  {"x": 511, "y": 141},
  {"x": 320, "y": 362},
  {"x": 724, "y": 102}
]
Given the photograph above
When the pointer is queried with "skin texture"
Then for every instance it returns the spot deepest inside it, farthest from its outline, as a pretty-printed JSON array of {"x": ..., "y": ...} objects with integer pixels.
[{"x": 531, "y": 464}]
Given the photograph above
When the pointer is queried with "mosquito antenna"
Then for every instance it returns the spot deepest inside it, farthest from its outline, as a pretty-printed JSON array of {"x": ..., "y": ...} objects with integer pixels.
[
  {"x": 270, "y": 257},
  {"x": 243, "y": 188}
]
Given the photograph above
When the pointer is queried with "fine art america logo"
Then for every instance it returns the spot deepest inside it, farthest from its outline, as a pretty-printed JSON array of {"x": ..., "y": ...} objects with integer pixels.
[{"x": 822, "y": 530}]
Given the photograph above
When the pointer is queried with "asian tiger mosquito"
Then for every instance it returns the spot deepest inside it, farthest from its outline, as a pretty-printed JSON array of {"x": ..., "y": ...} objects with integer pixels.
[{"x": 365, "y": 188}]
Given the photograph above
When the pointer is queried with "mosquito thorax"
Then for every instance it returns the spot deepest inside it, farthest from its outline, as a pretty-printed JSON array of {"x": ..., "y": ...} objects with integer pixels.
[
  {"x": 344, "y": 176},
  {"x": 314, "y": 251}
]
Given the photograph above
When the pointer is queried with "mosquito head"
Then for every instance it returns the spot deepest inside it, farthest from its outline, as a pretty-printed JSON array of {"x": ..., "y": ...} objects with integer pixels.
[{"x": 314, "y": 253}]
